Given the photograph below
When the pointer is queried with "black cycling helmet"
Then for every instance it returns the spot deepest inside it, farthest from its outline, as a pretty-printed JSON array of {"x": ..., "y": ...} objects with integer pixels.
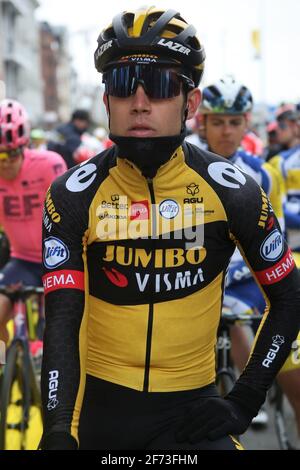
[{"x": 151, "y": 35}]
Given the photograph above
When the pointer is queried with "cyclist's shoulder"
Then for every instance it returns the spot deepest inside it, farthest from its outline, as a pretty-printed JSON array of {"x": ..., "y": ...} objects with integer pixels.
[
  {"x": 42, "y": 156},
  {"x": 228, "y": 180},
  {"x": 201, "y": 158},
  {"x": 288, "y": 154},
  {"x": 249, "y": 159},
  {"x": 86, "y": 176}
]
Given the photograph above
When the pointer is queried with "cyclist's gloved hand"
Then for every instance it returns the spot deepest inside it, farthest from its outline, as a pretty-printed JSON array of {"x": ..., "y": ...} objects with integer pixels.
[
  {"x": 216, "y": 417},
  {"x": 58, "y": 441}
]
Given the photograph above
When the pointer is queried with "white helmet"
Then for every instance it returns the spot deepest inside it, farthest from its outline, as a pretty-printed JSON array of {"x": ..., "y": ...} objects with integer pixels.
[{"x": 226, "y": 96}]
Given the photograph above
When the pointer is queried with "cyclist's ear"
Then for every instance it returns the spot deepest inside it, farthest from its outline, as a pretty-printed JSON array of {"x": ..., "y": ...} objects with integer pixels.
[
  {"x": 193, "y": 102},
  {"x": 106, "y": 104}
]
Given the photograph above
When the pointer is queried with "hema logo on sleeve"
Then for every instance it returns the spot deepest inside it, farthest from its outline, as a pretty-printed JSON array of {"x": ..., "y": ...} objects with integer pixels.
[
  {"x": 225, "y": 174},
  {"x": 272, "y": 247},
  {"x": 55, "y": 253}
]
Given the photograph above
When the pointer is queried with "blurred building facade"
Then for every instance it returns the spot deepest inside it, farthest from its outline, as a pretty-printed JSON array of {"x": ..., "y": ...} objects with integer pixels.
[
  {"x": 36, "y": 67},
  {"x": 20, "y": 67},
  {"x": 59, "y": 78}
]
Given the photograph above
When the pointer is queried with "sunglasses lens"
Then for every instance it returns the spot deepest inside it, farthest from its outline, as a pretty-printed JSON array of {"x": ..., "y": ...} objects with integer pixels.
[
  {"x": 158, "y": 83},
  {"x": 10, "y": 155},
  {"x": 282, "y": 125}
]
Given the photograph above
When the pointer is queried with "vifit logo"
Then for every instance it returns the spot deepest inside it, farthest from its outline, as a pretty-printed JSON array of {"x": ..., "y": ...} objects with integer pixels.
[
  {"x": 55, "y": 252},
  {"x": 272, "y": 247},
  {"x": 2, "y": 353}
]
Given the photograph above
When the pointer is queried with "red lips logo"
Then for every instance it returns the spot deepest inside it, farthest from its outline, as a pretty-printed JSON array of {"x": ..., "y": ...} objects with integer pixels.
[{"x": 116, "y": 278}]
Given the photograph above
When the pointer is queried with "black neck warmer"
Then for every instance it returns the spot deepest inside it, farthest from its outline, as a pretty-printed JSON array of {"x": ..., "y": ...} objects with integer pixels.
[{"x": 149, "y": 153}]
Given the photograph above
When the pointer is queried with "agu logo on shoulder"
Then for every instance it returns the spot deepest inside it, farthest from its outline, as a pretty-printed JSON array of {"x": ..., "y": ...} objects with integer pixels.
[
  {"x": 272, "y": 247},
  {"x": 55, "y": 252}
]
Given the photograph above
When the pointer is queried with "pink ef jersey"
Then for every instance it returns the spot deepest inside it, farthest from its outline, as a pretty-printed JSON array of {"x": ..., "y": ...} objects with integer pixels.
[{"x": 22, "y": 200}]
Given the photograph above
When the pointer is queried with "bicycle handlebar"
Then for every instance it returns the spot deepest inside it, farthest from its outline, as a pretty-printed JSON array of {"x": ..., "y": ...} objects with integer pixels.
[
  {"x": 22, "y": 291},
  {"x": 232, "y": 318}
]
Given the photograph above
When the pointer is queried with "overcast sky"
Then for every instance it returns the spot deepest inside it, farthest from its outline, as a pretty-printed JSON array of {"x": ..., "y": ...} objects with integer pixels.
[{"x": 224, "y": 27}]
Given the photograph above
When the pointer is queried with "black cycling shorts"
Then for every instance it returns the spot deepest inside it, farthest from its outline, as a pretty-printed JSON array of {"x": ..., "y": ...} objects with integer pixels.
[
  {"x": 115, "y": 417},
  {"x": 18, "y": 270}
]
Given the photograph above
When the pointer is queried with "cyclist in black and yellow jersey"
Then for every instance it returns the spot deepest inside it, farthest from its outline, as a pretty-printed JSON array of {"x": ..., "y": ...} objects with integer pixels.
[{"x": 135, "y": 256}]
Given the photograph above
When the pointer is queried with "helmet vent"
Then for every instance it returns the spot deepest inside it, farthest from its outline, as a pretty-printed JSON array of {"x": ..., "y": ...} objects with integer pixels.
[
  {"x": 21, "y": 131},
  {"x": 9, "y": 138}
]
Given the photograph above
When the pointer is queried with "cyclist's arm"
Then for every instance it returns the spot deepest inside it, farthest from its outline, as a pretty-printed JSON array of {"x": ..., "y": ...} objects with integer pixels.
[
  {"x": 64, "y": 308},
  {"x": 258, "y": 235}
]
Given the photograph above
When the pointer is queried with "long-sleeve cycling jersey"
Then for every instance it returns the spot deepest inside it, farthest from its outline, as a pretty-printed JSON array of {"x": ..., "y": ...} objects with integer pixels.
[
  {"x": 287, "y": 163},
  {"x": 21, "y": 202},
  {"x": 134, "y": 272},
  {"x": 268, "y": 178}
]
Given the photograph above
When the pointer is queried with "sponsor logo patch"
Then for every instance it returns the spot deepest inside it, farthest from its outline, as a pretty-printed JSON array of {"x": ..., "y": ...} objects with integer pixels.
[
  {"x": 55, "y": 253},
  {"x": 265, "y": 209},
  {"x": 53, "y": 387},
  {"x": 272, "y": 247},
  {"x": 192, "y": 189},
  {"x": 82, "y": 178},
  {"x": 139, "y": 210},
  {"x": 226, "y": 175},
  {"x": 174, "y": 46},
  {"x": 277, "y": 271},
  {"x": 115, "y": 277},
  {"x": 65, "y": 279},
  {"x": 277, "y": 341},
  {"x": 168, "y": 209}
]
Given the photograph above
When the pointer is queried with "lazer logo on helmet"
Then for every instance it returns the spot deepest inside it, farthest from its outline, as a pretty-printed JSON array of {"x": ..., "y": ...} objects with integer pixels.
[
  {"x": 272, "y": 247},
  {"x": 55, "y": 253},
  {"x": 174, "y": 46},
  {"x": 103, "y": 48}
]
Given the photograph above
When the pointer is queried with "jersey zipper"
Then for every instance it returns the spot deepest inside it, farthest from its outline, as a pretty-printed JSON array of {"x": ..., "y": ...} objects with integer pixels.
[{"x": 150, "y": 315}]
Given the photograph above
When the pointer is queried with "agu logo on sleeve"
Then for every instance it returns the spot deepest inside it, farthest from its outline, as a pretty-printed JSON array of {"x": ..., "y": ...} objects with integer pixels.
[
  {"x": 272, "y": 247},
  {"x": 55, "y": 253}
]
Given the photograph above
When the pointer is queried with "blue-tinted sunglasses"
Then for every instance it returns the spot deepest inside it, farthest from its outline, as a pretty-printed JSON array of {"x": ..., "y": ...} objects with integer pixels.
[{"x": 158, "y": 82}]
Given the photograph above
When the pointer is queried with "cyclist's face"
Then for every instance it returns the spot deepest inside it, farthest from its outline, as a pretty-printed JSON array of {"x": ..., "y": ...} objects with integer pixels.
[
  {"x": 140, "y": 116},
  {"x": 224, "y": 132},
  {"x": 287, "y": 131},
  {"x": 10, "y": 163}
]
